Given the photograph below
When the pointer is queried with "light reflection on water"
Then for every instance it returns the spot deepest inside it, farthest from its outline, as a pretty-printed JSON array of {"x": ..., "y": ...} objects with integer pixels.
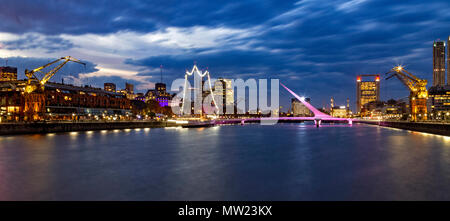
[{"x": 232, "y": 162}]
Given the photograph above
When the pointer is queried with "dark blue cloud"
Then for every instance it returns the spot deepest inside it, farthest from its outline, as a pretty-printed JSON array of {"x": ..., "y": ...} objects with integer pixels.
[
  {"x": 34, "y": 41},
  {"x": 107, "y": 16}
]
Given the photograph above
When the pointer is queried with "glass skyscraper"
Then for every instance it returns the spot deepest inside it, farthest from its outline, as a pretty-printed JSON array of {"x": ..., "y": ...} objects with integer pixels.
[{"x": 439, "y": 63}]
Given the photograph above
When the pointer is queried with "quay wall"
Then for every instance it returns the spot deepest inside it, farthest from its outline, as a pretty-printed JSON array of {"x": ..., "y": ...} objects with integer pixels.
[
  {"x": 433, "y": 128},
  {"x": 49, "y": 127}
]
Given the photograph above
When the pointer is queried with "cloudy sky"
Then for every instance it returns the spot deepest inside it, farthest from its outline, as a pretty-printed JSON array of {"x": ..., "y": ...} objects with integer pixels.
[{"x": 315, "y": 47}]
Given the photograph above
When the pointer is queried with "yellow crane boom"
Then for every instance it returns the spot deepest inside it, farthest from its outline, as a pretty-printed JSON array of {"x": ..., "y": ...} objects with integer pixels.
[
  {"x": 33, "y": 81},
  {"x": 418, "y": 91}
]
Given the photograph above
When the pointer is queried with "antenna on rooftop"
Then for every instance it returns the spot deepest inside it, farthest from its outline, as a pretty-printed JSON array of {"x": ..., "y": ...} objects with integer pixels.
[{"x": 161, "y": 67}]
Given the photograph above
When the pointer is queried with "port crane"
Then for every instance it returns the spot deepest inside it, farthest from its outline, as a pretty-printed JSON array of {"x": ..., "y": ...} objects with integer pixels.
[
  {"x": 34, "y": 106},
  {"x": 418, "y": 91},
  {"x": 34, "y": 83}
]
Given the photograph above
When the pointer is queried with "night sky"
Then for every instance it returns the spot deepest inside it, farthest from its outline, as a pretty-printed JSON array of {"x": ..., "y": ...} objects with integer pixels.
[{"x": 314, "y": 47}]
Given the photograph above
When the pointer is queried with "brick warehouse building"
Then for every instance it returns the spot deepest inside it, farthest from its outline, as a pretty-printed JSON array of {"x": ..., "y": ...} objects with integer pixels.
[{"x": 60, "y": 102}]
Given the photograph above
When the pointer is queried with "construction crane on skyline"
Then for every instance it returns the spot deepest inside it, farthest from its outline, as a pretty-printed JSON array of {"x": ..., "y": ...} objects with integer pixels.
[
  {"x": 35, "y": 83},
  {"x": 418, "y": 91}
]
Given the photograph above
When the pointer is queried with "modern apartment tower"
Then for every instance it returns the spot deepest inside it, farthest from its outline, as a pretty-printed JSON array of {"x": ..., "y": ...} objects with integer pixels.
[
  {"x": 439, "y": 63},
  {"x": 367, "y": 90},
  {"x": 448, "y": 61}
]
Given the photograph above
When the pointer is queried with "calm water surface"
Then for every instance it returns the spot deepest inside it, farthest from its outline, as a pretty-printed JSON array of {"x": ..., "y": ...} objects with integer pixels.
[{"x": 251, "y": 162}]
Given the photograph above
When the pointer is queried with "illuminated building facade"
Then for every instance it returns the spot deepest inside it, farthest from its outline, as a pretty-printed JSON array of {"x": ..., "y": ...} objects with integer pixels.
[
  {"x": 158, "y": 94},
  {"x": 439, "y": 98},
  {"x": 439, "y": 63},
  {"x": 128, "y": 91},
  {"x": 64, "y": 102},
  {"x": 150, "y": 95},
  {"x": 160, "y": 88},
  {"x": 229, "y": 91},
  {"x": 140, "y": 97},
  {"x": 340, "y": 111},
  {"x": 163, "y": 99},
  {"x": 8, "y": 73},
  {"x": 62, "y": 99},
  {"x": 367, "y": 90},
  {"x": 11, "y": 106},
  {"x": 111, "y": 87},
  {"x": 448, "y": 61},
  {"x": 300, "y": 110}
]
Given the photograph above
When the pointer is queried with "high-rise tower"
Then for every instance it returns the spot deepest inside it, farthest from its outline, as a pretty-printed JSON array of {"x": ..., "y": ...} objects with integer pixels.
[
  {"x": 367, "y": 90},
  {"x": 438, "y": 63},
  {"x": 448, "y": 61}
]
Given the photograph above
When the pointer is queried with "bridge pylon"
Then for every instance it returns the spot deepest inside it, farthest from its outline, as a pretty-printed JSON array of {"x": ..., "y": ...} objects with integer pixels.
[{"x": 199, "y": 98}]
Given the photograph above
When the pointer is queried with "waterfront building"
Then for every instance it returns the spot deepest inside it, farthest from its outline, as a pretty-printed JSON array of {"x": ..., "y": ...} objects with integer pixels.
[
  {"x": 158, "y": 94},
  {"x": 300, "y": 110},
  {"x": 367, "y": 90},
  {"x": 111, "y": 87},
  {"x": 150, "y": 95},
  {"x": 140, "y": 97},
  {"x": 123, "y": 91},
  {"x": 160, "y": 88},
  {"x": 64, "y": 99},
  {"x": 131, "y": 96},
  {"x": 339, "y": 111},
  {"x": 439, "y": 102},
  {"x": 128, "y": 91},
  {"x": 11, "y": 106},
  {"x": 61, "y": 102},
  {"x": 396, "y": 109},
  {"x": 439, "y": 63},
  {"x": 371, "y": 109},
  {"x": 162, "y": 96},
  {"x": 163, "y": 100},
  {"x": 8, "y": 73}
]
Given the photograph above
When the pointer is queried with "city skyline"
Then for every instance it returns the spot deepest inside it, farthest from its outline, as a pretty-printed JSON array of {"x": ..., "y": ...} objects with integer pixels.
[
  {"x": 310, "y": 44},
  {"x": 223, "y": 109}
]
